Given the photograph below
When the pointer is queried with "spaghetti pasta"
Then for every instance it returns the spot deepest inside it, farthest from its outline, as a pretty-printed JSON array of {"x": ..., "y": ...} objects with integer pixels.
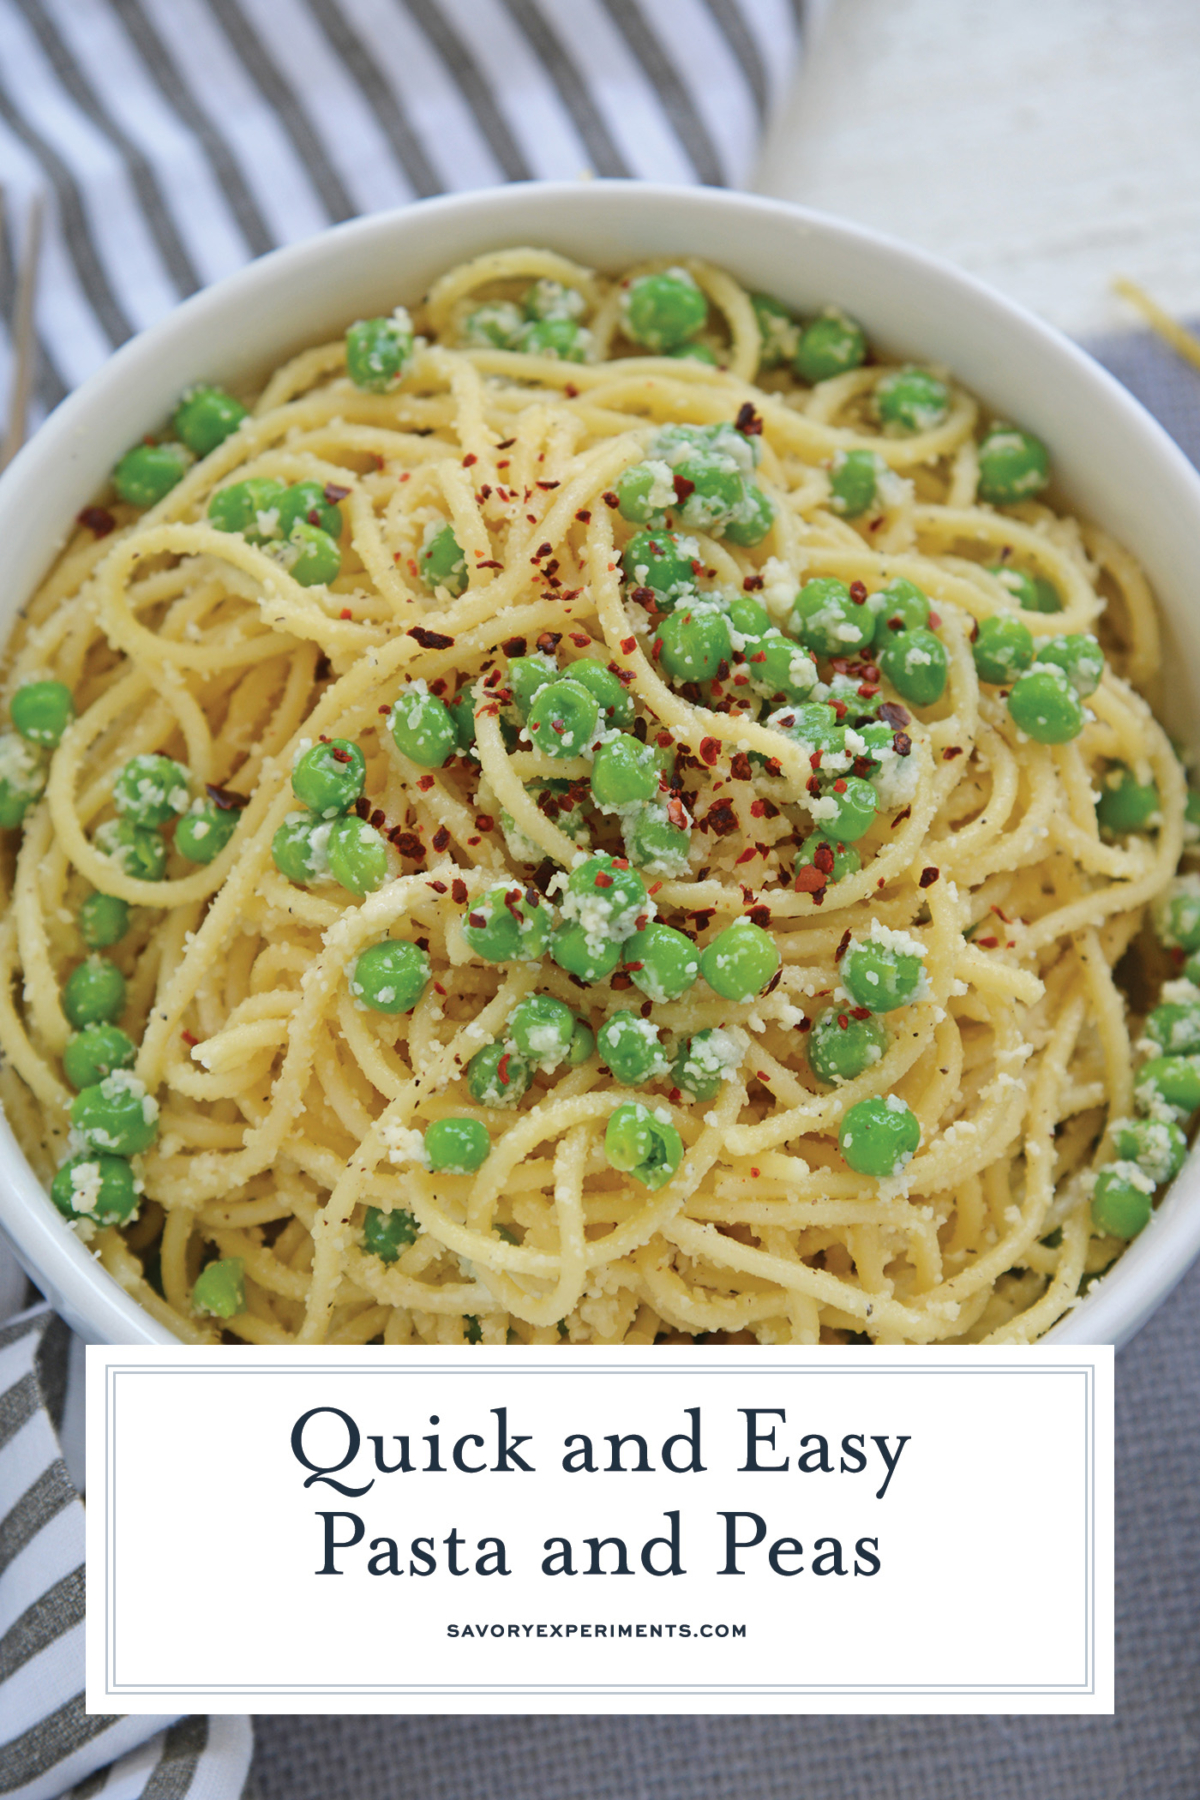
[{"x": 662, "y": 845}]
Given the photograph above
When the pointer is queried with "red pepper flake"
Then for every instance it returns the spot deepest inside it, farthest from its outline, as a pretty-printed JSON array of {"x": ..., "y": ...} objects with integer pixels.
[
  {"x": 602, "y": 880},
  {"x": 425, "y": 783},
  {"x": 656, "y": 648},
  {"x": 489, "y": 565},
  {"x": 761, "y": 1075},
  {"x": 345, "y": 613},
  {"x": 839, "y": 786},
  {"x": 810, "y": 879},
  {"x": 580, "y": 640},
  {"x": 760, "y": 916},
  {"x": 458, "y": 892},
  {"x": 620, "y": 862},
  {"x": 485, "y": 822},
  {"x": 472, "y": 841},
  {"x": 584, "y": 516},
  {"x": 823, "y": 858},
  {"x": 710, "y": 749},
  {"x": 609, "y": 498},
  {"x": 858, "y": 592},
  {"x": 988, "y": 943},
  {"x": 99, "y": 521},
  {"x": 628, "y": 646},
  {"x": 430, "y": 640},
  {"x": 900, "y": 818},
  {"x": 621, "y": 981},
  {"x": 757, "y": 808},
  {"x": 408, "y": 845},
  {"x": 748, "y": 421},
  {"x": 683, "y": 487},
  {"x": 676, "y": 815},
  {"x": 882, "y": 882},
  {"x": 476, "y": 921},
  {"x": 541, "y": 551},
  {"x": 752, "y": 583},
  {"x": 813, "y": 785},
  {"x": 774, "y": 766},
  {"x": 439, "y": 887},
  {"x": 624, "y": 676},
  {"x": 934, "y": 621},
  {"x": 502, "y": 1069},
  {"x": 633, "y": 967},
  {"x": 506, "y": 443},
  {"x": 339, "y": 755},
  {"x": 747, "y": 855},
  {"x": 1002, "y": 915},
  {"x": 439, "y": 989},
  {"x": 570, "y": 390},
  {"x": 514, "y": 646},
  {"x": 224, "y": 799},
  {"x": 842, "y": 947},
  {"x": 893, "y": 714},
  {"x": 441, "y": 839},
  {"x": 378, "y": 819},
  {"x": 187, "y": 1036},
  {"x": 843, "y": 1022},
  {"x": 362, "y": 807},
  {"x": 549, "y": 641},
  {"x": 548, "y": 485},
  {"x": 929, "y": 876},
  {"x": 868, "y": 690},
  {"x": 951, "y": 751},
  {"x": 902, "y": 743},
  {"x": 654, "y": 890},
  {"x": 740, "y": 770}
]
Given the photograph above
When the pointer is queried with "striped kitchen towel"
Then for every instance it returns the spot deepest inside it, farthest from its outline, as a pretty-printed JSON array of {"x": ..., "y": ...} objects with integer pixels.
[
  {"x": 171, "y": 141},
  {"x": 175, "y": 139}
]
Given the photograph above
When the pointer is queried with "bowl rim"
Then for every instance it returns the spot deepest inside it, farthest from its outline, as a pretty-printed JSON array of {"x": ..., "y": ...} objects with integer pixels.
[{"x": 91, "y": 1300}]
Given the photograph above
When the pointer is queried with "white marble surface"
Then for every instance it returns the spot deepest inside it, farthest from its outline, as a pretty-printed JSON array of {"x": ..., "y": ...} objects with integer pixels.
[{"x": 1045, "y": 145}]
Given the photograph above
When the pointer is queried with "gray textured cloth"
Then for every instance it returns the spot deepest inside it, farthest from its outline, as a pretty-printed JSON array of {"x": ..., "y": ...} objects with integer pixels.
[{"x": 1150, "y": 1749}]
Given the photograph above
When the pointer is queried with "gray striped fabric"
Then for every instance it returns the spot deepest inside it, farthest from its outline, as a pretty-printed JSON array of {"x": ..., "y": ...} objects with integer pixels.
[
  {"x": 175, "y": 139},
  {"x": 172, "y": 140}
]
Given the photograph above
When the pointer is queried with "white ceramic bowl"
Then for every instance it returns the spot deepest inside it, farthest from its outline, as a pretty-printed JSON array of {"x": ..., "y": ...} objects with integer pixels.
[{"x": 1113, "y": 463}]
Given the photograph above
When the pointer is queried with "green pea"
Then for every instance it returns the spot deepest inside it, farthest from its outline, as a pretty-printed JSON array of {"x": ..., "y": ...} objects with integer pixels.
[
  {"x": 329, "y": 776},
  {"x": 663, "y": 962},
  {"x": 916, "y": 664},
  {"x": 828, "y": 620},
  {"x": 527, "y": 676},
  {"x": 1045, "y": 706},
  {"x": 204, "y": 830},
  {"x": 42, "y": 710},
  {"x": 441, "y": 561},
  {"x": 1003, "y": 647},
  {"x": 249, "y": 507},
  {"x": 1013, "y": 465},
  {"x": 657, "y": 846},
  {"x": 220, "y": 1289},
  {"x": 305, "y": 502},
  {"x": 1079, "y": 656},
  {"x": 1174, "y": 1027},
  {"x": 378, "y": 351},
  {"x": 564, "y": 719},
  {"x": 881, "y": 975},
  {"x": 710, "y": 491},
  {"x": 548, "y": 299},
  {"x": 542, "y": 1028},
  {"x": 902, "y": 605},
  {"x": 854, "y": 802},
  {"x": 116, "y": 1114},
  {"x": 879, "y": 1137},
  {"x": 583, "y": 1045},
  {"x": 662, "y": 311},
  {"x": 704, "y": 1063},
  {"x": 457, "y": 1146},
  {"x": 662, "y": 561},
  {"x": 300, "y": 848},
  {"x": 94, "y": 991},
  {"x": 386, "y": 1234},
  {"x": 606, "y": 896},
  {"x": 1157, "y": 1146},
  {"x": 778, "y": 665},
  {"x": 506, "y": 925},
  {"x": 911, "y": 399},
  {"x": 151, "y": 790},
  {"x": 462, "y": 712},
  {"x": 616, "y": 706},
  {"x": 1122, "y": 1201},
  {"x": 422, "y": 728},
  {"x": 563, "y": 340},
  {"x": 1032, "y": 593},
  {"x": 640, "y": 1144},
  {"x": 814, "y": 725},
  {"x": 1126, "y": 804},
  {"x": 138, "y": 852},
  {"x": 496, "y": 325},
  {"x": 643, "y": 493},
  {"x": 103, "y": 920},
  {"x": 624, "y": 771},
  {"x": 390, "y": 976},
  {"x": 740, "y": 961},
  {"x": 853, "y": 482},
  {"x": 841, "y": 1047},
  {"x": 697, "y": 353},
  {"x": 1168, "y": 1087},
  {"x": 206, "y": 416},
  {"x": 357, "y": 855},
  {"x": 778, "y": 330},
  {"x": 102, "y": 1188},
  {"x": 694, "y": 645},
  {"x": 751, "y": 518},
  {"x": 1176, "y": 914},
  {"x": 95, "y": 1052},
  {"x": 748, "y": 619},
  {"x": 23, "y": 772},
  {"x": 310, "y": 556},
  {"x": 630, "y": 1046},
  {"x": 831, "y": 344},
  {"x": 588, "y": 958},
  {"x": 147, "y": 473},
  {"x": 819, "y": 850},
  {"x": 497, "y": 1076}
]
